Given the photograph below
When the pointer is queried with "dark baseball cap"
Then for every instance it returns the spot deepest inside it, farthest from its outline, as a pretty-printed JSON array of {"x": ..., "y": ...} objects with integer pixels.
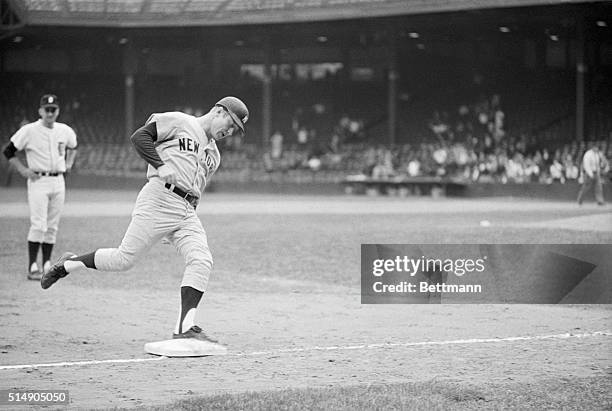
[
  {"x": 237, "y": 110},
  {"x": 49, "y": 100}
]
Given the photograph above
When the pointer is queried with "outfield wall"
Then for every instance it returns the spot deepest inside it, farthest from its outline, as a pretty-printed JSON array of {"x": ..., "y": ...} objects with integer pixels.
[{"x": 555, "y": 191}]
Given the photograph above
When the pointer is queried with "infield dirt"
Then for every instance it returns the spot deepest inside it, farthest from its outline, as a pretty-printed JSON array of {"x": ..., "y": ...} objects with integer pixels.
[{"x": 285, "y": 299}]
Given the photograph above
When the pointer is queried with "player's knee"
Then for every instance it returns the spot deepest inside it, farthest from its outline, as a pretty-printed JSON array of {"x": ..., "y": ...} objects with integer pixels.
[
  {"x": 126, "y": 262},
  {"x": 38, "y": 226},
  {"x": 197, "y": 273},
  {"x": 203, "y": 265},
  {"x": 202, "y": 259}
]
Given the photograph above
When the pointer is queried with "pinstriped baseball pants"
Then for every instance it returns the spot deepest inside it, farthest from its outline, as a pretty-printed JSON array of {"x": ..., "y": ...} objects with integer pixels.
[{"x": 159, "y": 213}]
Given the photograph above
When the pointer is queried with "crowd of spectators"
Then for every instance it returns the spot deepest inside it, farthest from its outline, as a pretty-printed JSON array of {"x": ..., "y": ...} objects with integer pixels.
[
  {"x": 471, "y": 144},
  {"x": 468, "y": 142}
]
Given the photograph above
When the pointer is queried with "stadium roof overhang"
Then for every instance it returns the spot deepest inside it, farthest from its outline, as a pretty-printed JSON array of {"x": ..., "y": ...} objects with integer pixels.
[{"x": 177, "y": 13}]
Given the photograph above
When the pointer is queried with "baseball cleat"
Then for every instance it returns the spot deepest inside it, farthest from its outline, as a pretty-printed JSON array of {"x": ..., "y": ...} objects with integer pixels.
[
  {"x": 195, "y": 332},
  {"x": 56, "y": 271},
  {"x": 191, "y": 343},
  {"x": 34, "y": 274}
]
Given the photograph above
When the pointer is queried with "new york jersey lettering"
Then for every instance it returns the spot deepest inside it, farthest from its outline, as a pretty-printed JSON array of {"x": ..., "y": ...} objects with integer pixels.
[
  {"x": 210, "y": 163},
  {"x": 187, "y": 144}
]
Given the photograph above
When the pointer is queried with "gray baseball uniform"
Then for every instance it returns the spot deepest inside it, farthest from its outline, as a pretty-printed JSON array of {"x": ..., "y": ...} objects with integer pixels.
[
  {"x": 182, "y": 156},
  {"x": 161, "y": 212}
]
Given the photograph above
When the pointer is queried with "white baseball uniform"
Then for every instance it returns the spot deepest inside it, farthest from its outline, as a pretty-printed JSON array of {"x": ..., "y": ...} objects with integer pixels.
[
  {"x": 159, "y": 212},
  {"x": 45, "y": 150}
]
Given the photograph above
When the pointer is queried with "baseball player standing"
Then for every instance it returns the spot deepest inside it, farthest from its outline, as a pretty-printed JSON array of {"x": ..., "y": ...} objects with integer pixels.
[
  {"x": 50, "y": 150},
  {"x": 182, "y": 154},
  {"x": 594, "y": 164}
]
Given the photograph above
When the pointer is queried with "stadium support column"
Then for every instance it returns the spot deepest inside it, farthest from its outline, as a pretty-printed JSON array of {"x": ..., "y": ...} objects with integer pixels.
[
  {"x": 266, "y": 124},
  {"x": 130, "y": 63},
  {"x": 392, "y": 89},
  {"x": 129, "y": 103},
  {"x": 581, "y": 68}
]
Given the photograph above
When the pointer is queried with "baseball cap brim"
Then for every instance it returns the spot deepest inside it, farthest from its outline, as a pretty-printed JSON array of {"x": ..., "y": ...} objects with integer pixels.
[{"x": 234, "y": 117}]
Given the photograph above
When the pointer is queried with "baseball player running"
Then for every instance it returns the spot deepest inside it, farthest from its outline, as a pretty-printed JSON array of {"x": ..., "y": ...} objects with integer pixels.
[
  {"x": 50, "y": 150},
  {"x": 182, "y": 154}
]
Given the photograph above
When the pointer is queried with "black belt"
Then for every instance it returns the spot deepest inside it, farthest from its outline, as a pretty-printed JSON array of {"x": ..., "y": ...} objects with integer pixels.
[
  {"x": 191, "y": 199},
  {"x": 48, "y": 174}
]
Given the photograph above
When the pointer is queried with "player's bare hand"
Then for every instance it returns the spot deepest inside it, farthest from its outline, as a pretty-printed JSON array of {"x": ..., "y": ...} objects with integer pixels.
[
  {"x": 27, "y": 173},
  {"x": 167, "y": 174}
]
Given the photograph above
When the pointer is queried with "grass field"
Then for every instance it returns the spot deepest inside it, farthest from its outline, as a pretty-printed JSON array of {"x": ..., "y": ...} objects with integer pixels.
[{"x": 285, "y": 298}]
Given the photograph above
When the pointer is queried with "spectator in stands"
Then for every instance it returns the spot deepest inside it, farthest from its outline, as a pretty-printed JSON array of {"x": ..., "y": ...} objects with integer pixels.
[
  {"x": 498, "y": 125},
  {"x": 276, "y": 142},
  {"x": 556, "y": 170},
  {"x": 314, "y": 163},
  {"x": 268, "y": 163},
  {"x": 438, "y": 126},
  {"x": 440, "y": 156},
  {"x": 532, "y": 170},
  {"x": 514, "y": 168},
  {"x": 302, "y": 136},
  {"x": 414, "y": 167},
  {"x": 572, "y": 172},
  {"x": 384, "y": 166},
  {"x": 334, "y": 143}
]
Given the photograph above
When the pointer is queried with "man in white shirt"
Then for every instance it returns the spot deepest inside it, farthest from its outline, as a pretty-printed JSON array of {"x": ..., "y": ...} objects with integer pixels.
[
  {"x": 50, "y": 150},
  {"x": 594, "y": 165}
]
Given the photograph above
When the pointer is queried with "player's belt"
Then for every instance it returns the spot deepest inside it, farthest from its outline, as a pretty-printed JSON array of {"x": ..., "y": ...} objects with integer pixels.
[
  {"x": 191, "y": 199},
  {"x": 48, "y": 174}
]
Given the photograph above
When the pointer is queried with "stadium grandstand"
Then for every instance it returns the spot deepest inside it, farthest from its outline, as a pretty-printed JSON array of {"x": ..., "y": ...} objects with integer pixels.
[{"x": 469, "y": 91}]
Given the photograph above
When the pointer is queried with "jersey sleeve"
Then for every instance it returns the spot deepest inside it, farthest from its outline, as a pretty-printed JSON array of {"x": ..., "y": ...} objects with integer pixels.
[
  {"x": 71, "y": 139},
  {"x": 144, "y": 140},
  {"x": 20, "y": 138},
  {"x": 167, "y": 125}
]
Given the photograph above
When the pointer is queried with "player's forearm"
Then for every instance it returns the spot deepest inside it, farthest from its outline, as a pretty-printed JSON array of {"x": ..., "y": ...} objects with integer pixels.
[
  {"x": 70, "y": 156},
  {"x": 16, "y": 162},
  {"x": 143, "y": 140},
  {"x": 21, "y": 168}
]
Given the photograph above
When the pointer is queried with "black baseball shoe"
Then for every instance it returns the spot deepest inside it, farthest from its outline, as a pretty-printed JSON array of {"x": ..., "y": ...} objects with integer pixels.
[
  {"x": 197, "y": 333},
  {"x": 56, "y": 271}
]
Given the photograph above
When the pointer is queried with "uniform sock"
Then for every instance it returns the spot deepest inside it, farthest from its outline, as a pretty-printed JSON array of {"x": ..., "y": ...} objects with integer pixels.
[
  {"x": 32, "y": 252},
  {"x": 190, "y": 298},
  {"x": 47, "y": 249},
  {"x": 80, "y": 261}
]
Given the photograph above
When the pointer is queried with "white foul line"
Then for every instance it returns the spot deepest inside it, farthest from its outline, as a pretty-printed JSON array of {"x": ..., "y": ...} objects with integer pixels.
[
  {"x": 330, "y": 348},
  {"x": 426, "y": 343},
  {"x": 68, "y": 364}
]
